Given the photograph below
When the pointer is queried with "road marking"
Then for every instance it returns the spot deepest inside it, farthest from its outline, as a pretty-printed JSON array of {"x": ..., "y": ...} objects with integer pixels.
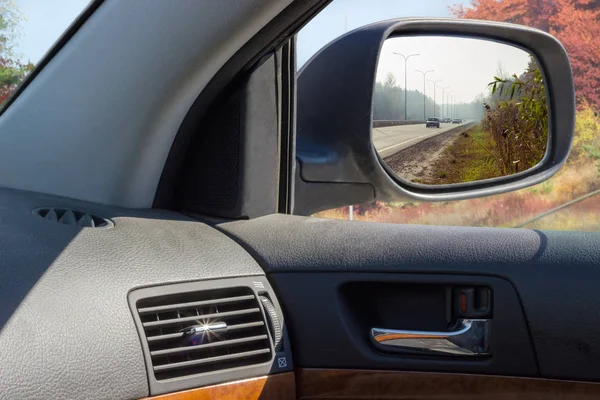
[
  {"x": 410, "y": 140},
  {"x": 422, "y": 137}
]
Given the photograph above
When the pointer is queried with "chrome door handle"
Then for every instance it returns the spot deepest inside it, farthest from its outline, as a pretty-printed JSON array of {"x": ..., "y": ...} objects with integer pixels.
[{"x": 471, "y": 338}]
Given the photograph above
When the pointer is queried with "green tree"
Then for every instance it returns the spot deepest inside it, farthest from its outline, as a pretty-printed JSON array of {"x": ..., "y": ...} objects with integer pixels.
[{"x": 388, "y": 102}]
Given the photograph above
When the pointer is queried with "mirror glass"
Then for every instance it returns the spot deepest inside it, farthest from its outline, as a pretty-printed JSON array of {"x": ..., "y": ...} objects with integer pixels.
[{"x": 450, "y": 110}]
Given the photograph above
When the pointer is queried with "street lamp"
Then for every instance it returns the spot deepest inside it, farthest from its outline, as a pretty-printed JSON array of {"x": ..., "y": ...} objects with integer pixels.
[
  {"x": 443, "y": 100},
  {"x": 449, "y": 102},
  {"x": 457, "y": 102},
  {"x": 434, "y": 84},
  {"x": 405, "y": 88},
  {"x": 424, "y": 96}
]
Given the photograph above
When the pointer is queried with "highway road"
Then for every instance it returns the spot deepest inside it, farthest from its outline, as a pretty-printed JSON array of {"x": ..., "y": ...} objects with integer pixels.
[{"x": 391, "y": 139}]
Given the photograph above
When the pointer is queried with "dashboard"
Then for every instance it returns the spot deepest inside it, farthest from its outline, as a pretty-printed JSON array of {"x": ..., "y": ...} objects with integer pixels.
[
  {"x": 105, "y": 302},
  {"x": 67, "y": 328}
]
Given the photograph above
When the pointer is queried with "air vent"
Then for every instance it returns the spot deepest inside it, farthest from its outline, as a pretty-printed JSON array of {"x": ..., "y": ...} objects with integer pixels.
[
  {"x": 71, "y": 217},
  {"x": 205, "y": 331}
]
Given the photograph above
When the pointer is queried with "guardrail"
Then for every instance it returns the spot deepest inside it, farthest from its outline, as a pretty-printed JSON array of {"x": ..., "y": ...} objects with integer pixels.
[
  {"x": 567, "y": 204},
  {"x": 380, "y": 123},
  {"x": 462, "y": 127}
]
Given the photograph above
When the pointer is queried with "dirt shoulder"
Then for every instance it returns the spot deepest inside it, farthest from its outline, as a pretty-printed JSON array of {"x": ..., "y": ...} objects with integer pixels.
[
  {"x": 465, "y": 158},
  {"x": 418, "y": 162},
  {"x": 453, "y": 157}
]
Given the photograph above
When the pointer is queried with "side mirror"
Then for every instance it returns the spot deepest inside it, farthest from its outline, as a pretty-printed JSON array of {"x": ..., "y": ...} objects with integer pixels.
[{"x": 364, "y": 136}]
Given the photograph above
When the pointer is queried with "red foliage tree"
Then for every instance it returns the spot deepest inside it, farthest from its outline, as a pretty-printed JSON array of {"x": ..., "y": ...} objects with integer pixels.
[
  {"x": 576, "y": 23},
  {"x": 12, "y": 70}
]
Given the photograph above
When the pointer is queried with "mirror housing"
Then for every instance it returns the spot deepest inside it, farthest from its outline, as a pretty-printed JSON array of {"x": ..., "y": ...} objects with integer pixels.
[{"x": 336, "y": 162}]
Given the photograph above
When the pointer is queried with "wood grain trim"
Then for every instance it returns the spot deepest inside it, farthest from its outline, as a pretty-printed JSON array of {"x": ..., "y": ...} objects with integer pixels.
[
  {"x": 315, "y": 384},
  {"x": 280, "y": 386}
]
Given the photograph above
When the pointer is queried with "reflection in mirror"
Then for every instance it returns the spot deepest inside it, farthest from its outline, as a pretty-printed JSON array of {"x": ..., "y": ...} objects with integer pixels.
[{"x": 450, "y": 110}]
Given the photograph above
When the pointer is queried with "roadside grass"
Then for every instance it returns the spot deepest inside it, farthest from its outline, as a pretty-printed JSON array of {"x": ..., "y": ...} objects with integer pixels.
[
  {"x": 467, "y": 159},
  {"x": 579, "y": 176},
  {"x": 506, "y": 210}
]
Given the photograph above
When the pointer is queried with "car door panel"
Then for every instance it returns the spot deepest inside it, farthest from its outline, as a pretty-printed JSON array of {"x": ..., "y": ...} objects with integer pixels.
[
  {"x": 554, "y": 275},
  {"x": 330, "y": 316}
]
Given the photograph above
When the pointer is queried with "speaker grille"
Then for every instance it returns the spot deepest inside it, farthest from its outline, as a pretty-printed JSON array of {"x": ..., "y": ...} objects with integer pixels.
[{"x": 217, "y": 167}]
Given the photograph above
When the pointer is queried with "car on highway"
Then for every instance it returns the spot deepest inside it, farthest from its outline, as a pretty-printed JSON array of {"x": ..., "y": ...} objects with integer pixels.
[
  {"x": 432, "y": 122},
  {"x": 457, "y": 121},
  {"x": 446, "y": 120}
]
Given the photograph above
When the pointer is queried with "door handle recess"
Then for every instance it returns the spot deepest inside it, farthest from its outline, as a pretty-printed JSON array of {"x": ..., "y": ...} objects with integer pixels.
[{"x": 470, "y": 338}]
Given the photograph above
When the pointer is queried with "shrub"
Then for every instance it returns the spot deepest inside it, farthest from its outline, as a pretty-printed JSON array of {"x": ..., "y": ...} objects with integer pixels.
[{"x": 517, "y": 121}]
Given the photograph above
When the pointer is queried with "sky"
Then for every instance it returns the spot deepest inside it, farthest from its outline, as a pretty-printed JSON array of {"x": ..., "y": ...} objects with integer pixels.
[
  {"x": 341, "y": 16},
  {"x": 465, "y": 66},
  {"x": 46, "y": 20}
]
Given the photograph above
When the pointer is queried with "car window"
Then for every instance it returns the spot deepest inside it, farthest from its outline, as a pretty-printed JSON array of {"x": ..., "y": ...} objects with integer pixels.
[
  {"x": 568, "y": 201},
  {"x": 28, "y": 29}
]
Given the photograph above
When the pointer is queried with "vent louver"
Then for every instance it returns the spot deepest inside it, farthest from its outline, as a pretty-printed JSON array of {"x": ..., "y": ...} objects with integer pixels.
[
  {"x": 200, "y": 332},
  {"x": 66, "y": 216}
]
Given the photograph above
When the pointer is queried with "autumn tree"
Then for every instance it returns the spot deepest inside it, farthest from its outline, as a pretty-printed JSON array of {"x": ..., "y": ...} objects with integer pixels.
[
  {"x": 576, "y": 23},
  {"x": 12, "y": 71}
]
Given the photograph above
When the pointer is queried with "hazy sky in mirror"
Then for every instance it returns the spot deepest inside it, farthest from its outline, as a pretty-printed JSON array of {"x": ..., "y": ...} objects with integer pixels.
[{"x": 466, "y": 66}]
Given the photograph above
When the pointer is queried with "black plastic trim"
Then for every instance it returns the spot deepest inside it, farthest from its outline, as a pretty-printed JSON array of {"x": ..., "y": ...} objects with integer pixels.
[
  {"x": 223, "y": 84},
  {"x": 231, "y": 170},
  {"x": 555, "y": 273},
  {"x": 346, "y": 323},
  {"x": 287, "y": 125}
]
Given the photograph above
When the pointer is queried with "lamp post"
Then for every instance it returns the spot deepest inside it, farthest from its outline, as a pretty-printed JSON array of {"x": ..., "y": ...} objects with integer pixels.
[
  {"x": 443, "y": 98},
  {"x": 456, "y": 102},
  {"x": 424, "y": 87},
  {"x": 434, "y": 84},
  {"x": 405, "y": 88}
]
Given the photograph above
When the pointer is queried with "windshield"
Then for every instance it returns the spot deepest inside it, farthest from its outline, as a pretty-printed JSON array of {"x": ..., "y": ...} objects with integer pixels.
[{"x": 28, "y": 29}]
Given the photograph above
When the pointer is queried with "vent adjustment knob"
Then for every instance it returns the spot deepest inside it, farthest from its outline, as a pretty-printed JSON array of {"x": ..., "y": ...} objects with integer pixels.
[{"x": 275, "y": 323}]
